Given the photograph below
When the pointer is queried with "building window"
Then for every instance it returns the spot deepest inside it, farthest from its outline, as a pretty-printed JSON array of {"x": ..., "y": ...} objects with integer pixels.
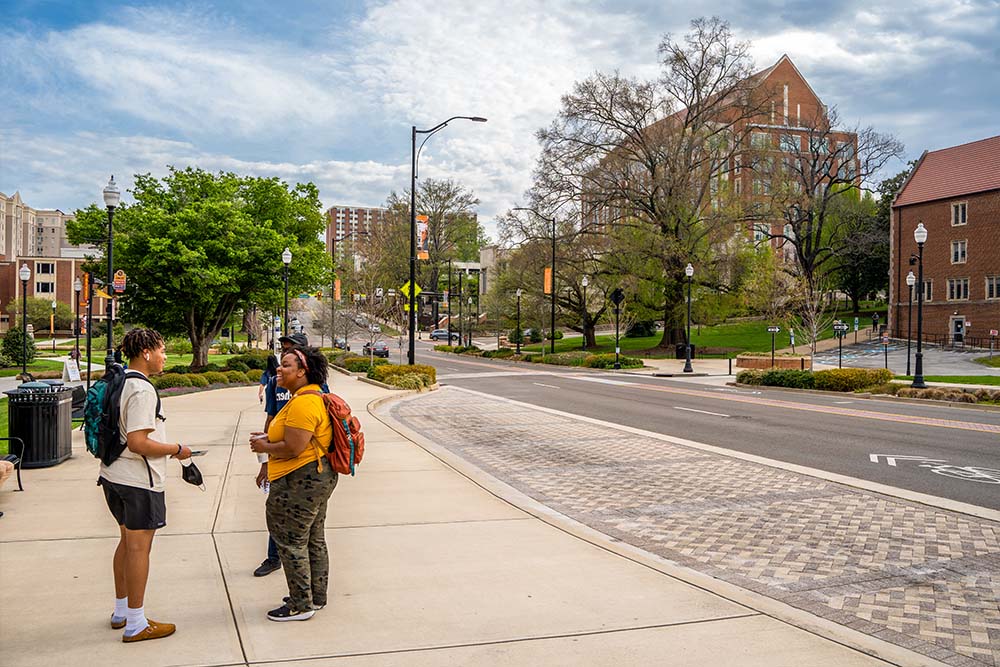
[
  {"x": 760, "y": 140},
  {"x": 958, "y": 289},
  {"x": 958, "y": 214},
  {"x": 790, "y": 143},
  {"x": 928, "y": 290},
  {"x": 958, "y": 252},
  {"x": 45, "y": 288},
  {"x": 47, "y": 268},
  {"x": 993, "y": 287},
  {"x": 760, "y": 232}
]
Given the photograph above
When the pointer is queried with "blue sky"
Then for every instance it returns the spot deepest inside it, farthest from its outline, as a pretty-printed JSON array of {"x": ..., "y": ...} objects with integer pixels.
[{"x": 327, "y": 91}]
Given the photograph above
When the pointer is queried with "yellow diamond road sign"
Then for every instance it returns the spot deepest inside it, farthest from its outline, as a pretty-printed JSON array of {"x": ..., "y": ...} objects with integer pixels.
[{"x": 405, "y": 289}]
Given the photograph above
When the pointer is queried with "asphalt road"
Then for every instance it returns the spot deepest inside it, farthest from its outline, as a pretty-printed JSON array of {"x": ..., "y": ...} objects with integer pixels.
[{"x": 835, "y": 433}]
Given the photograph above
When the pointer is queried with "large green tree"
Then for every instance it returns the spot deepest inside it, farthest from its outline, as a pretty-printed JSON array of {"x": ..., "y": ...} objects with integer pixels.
[{"x": 197, "y": 246}]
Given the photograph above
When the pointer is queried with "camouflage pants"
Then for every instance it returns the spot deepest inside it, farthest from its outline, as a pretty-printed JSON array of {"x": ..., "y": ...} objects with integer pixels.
[{"x": 296, "y": 514}]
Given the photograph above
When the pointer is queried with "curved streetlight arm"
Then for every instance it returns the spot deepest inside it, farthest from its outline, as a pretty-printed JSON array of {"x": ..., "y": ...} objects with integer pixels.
[{"x": 437, "y": 128}]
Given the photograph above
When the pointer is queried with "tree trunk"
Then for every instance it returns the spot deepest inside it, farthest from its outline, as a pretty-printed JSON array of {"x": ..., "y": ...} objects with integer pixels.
[
  {"x": 199, "y": 348},
  {"x": 855, "y": 303}
]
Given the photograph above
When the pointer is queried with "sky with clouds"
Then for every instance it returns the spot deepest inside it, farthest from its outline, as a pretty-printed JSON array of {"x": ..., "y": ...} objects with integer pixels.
[{"x": 326, "y": 91}]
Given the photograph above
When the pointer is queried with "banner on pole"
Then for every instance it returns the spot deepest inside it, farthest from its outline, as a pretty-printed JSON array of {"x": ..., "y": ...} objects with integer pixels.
[
  {"x": 423, "y": 238},
  {"x": 548, "y": 280},
  {"x": 85, "y": 292},
  {"x": 336, "y": 289}
]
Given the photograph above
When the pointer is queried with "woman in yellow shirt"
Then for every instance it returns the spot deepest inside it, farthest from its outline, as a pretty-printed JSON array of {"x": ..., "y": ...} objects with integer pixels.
[{"x": 301, "y": 480}]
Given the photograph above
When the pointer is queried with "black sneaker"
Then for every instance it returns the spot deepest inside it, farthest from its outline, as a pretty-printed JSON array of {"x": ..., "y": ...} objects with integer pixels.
[
  {"x": 267, "y": 567},
  {"x": 284, "y": 613},
  {"x": 316, "y": 607}
]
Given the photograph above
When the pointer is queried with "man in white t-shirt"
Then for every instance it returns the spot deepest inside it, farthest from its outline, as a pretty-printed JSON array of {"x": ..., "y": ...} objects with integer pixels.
[{"x": 134, "y": 482}]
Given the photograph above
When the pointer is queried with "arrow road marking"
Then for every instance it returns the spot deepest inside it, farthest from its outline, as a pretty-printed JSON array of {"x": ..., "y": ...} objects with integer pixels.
[{"x": 704, "y": 412}]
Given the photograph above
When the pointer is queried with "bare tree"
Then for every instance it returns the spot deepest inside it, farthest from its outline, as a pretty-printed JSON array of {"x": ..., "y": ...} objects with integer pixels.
[{"x": 656, "y": 156}]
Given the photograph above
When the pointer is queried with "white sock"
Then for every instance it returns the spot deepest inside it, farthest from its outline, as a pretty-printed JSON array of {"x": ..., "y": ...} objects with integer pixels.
[
  {"x": 135, "y": 621},
  {"x": 121, "y": 606}
]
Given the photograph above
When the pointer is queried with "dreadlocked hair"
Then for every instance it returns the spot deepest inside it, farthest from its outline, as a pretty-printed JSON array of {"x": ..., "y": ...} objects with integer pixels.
[{"x": 138, "y": 341}]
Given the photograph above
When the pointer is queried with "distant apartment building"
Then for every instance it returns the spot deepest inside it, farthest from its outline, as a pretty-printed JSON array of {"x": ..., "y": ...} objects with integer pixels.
[
  {"x": 955, "y": 193},
  {"x": 347, "y": 227},
  {"x": 20, "y": 235}
]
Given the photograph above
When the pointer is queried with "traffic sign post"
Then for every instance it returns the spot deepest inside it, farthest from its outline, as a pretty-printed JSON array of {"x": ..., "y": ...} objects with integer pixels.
[
  {"x": 993, "y": 335},
  {"x": 885, "y": 348},
  {"x": 616, "y": 298},
  {"x": 857, "y": 325},
  {"x": 773, "y": 330},
  {"x": 840, "y": 328},
  {"x": 118, "y": 283}
]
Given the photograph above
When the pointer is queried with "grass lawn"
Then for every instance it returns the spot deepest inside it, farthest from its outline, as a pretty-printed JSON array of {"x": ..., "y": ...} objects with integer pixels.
[
  {"x": 186, "y": 359},
  {"x": 993, "y": 361},
  {"x": 958, "y": 379},
  {"x": 36, "y": 365}
]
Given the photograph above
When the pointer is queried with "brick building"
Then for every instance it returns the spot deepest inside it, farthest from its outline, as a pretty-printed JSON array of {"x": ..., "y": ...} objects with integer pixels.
[
  {"x": 955, "y": 193},
  {"x": 347, "y": 226},
  {"x": 52, "y": 279}
]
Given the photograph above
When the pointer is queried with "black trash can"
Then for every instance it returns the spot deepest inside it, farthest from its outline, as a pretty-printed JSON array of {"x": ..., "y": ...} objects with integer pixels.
[
  {"x": 680, "y": 351},
  {"x": 40, "y": 415}
]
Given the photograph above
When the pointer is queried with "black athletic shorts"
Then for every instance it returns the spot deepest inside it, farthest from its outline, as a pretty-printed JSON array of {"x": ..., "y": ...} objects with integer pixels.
[{"x": 135, "y": 508}]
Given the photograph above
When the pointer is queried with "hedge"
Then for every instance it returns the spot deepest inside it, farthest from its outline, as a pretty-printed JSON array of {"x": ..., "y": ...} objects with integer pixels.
[
  {"x": 383, "y": 372},
  {"x": 850, "y": 379},
  {"x": 501, "y": 353},
  {"x": 170, "y": 380},
  {"x": 753, "y": 376},
  {"x": 197, "y": 380},
  {"x": 253, "y": 375},
  {"x": 574, "y": 358},
  {"x": 780, "y": 377},
  {"x": 215, "y": 377},
  {"x": 236, "y": 366},
  {"x": 236, "y": 377},
  {"x": 409, "y": 380},
  {"x": 250, "y": 360},
  {"x": 607, "y": 360}
]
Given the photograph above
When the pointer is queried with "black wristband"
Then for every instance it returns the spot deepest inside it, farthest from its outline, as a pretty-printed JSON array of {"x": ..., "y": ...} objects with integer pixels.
[{"x": 180, "y": 448}]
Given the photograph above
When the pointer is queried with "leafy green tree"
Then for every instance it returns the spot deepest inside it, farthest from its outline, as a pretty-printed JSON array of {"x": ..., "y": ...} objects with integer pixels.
[
  {"x": 198, "y": 246},
  {"x": 39, "y": 310},
  {"x": 863, "y": 264},
  {"x": 13, "y": 347}
]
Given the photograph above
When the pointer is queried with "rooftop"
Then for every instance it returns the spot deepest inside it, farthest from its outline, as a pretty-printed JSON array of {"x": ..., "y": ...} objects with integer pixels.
[{"x": 953, "y": 172}]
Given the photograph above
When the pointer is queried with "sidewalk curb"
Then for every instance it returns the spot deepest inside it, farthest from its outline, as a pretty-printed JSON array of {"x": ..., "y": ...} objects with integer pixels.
[
  {"x": 755, "y": 601},
  {"x": 889, "y": 398}
]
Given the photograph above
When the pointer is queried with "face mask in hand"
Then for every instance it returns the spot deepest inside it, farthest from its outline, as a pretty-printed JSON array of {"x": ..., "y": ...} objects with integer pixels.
[{"x": 191, "y": 474}]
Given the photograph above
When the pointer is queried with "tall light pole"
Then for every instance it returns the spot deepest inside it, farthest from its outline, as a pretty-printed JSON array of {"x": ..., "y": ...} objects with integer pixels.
[
  {"x": 77, "y": 287},
  {"x": 286, "y": 259},
  {"x": 25, "y": 275},
  {"x": 52, "y": 325},
  {"x": 112, "y": 196},
  {"x": 911, "y": 280},
  {"x": 90, "y": 321},
  {"x": 472, "y": 319},
  {"x": 519, "y": 334},
  {"x": 552, "y": 321},
  {"x": 920, "y": 236},
  {"x": 584, "y": 283},
  {"x": 689, "y": 272},
  {"x": 414, "y": 155},
  {"x": 449, "y": 303}
]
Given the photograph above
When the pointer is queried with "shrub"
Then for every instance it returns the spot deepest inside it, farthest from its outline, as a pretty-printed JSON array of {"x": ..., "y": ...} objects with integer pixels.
[
  {"x": 178, "y": 346},
  {"x": 787, "y": 378},
  {"x": 197, "y": 380},
  {"x": 753, "y": 376},
  {"x": 4, "y": 361},
  {"x": 14, "y": 348},
  {"x": 574, "y": 358},
  {"x": 253, "y": 375},
  {"x": 236, "y": 377},
  {"x": 907, "y": 392},
  {"x": 892, "y": 388},
  {"x": 383, "y": 372},
  {"x": 358, "y": 365},
  {"x": 607, "y": 360},
  {"x": 850, "y": 379},
  {"x": 215, "y": 377},
  {"x": 408, "y": 380},
  {"x": 213, "y": 368},
  {"x": 641, "y": 329},
  {"x": 535, "y": 336},
  {"x": 171, "y": 380},
  {"x": 502, "y": 353},
  {"x": 180, "y": 368},
  {"x": 963, "y": 397},
  {"x": 558, "y": 336},
  {"x": 237, "y": 366},
  {"x": 516, "y": 336},
  {"x": 442, "y": 348}
]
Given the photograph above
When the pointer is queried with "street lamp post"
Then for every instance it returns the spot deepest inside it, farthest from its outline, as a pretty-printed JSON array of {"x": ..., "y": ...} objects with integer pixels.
[
  {"x": 911, "y": 280},
  {"x": 411, "y": 352},
  {"x": 689, "y": 272},
  {"x": 472, "y": 320},
  {"x": 460, "y": 320},
  {"x": 449, "y": 303},
  {"x": 77, "y": 287},
  {"x": 90, "y": 321},
  {"x": 519, "y": 334},
  {"x": 584, "y": 283},
  {"x": 112, "y": 196},
  {"x": 286, "y": 259},
  {"x": 52, "y": 325},
  {"x": 920, "y": 236},
  {"x": 25, "y": 275},
  {"x": 552, "y": 321}
]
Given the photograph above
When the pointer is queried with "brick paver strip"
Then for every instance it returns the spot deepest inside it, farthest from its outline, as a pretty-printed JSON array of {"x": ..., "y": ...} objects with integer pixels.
[{"x": 913, "y": 575}]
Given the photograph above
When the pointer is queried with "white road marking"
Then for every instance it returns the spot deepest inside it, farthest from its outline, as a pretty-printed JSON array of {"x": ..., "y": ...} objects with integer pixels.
[
  {"x": 550, "y": 386},
  {"x": 892, "y": 458},
  {"x": 843, "y": 402},
  {"x": 704, "y": 412},
  {"x": 587, "y": 378}
]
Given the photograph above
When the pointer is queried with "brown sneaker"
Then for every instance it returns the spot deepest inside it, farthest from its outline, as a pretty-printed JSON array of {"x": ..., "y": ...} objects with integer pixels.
[
  {"x": 152, "y": 631},
  {"x": 117, "y": 625}
]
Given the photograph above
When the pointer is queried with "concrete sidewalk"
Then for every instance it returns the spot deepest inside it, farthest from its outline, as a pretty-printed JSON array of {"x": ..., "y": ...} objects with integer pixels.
[{"x": 429, "y": 568}]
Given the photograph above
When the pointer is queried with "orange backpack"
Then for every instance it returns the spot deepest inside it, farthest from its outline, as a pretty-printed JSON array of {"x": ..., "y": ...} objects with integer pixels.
[{"x": 348, "y": 443}]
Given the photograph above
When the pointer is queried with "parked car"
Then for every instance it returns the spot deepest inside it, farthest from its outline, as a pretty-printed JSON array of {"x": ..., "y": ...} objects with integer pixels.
[
  {"x": 375, "y": 328},
  {"x": 342, "y": 344},
  {"x": 379, "y": 349},
  {"x": 442, "y": 334}
]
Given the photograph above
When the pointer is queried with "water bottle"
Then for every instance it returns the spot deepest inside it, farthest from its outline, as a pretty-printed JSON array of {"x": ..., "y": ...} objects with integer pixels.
[{"x": 265, "y": 487}]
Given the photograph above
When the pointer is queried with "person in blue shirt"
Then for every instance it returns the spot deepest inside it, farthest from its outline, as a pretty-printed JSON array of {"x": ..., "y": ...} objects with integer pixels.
[
  {"x": 269, "y": 372},
  {"x": 275, "y": 398}
]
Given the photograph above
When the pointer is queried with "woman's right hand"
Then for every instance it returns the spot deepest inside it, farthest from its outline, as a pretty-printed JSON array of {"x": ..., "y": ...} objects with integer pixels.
[{"x": 262, "y": 475}]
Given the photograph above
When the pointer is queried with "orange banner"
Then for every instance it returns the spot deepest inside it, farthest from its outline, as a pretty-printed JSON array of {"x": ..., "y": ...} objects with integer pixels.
[
  {"x": 548, "y": 280},
  {"x": 336, "y": 289},
  {"x": 85, "y": 292}
]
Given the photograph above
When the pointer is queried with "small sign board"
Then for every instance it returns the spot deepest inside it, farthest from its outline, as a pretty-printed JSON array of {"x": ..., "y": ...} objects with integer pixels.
[
  {"x": 618, "y": 296},
  {"x": 773, "y": 329},
  {"x": 118, "y": 283},
  {"x": 885, "y": 339},
  {"x": 993, "y": 332},
  {"x": 856, "y": 324},
  {"x": 71, "y": 371},
  {"x": 379, "y": 292},
  {"x": 840, "y": 326}
]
